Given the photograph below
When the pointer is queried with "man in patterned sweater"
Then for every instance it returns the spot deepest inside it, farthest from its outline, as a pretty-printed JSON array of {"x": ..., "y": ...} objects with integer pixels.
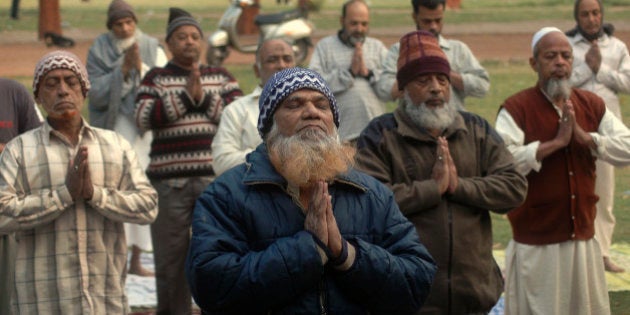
[{"x": 181, "y": 103}]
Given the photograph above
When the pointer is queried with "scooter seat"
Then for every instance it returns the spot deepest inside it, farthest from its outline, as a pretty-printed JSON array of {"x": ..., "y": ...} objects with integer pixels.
[{"x": 277, "y": 18}]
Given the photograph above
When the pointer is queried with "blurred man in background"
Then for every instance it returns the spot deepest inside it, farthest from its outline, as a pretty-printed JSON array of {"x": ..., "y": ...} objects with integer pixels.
[{"x": 601, "y": 64}]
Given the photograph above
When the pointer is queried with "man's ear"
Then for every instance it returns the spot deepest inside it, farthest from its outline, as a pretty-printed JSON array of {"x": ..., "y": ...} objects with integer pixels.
[
  {"x": 256, "y": 70},
  {"x": 533, "y": 63}
]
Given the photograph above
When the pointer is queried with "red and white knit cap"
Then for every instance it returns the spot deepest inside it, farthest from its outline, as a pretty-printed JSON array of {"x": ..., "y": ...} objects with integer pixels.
[
  {"x": 420, "y": 54},
  {"x": 60, "y": 59}
]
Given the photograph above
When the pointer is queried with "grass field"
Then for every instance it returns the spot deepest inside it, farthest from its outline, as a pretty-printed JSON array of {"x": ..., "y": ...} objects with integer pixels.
[{"x": 506, "y": 77}]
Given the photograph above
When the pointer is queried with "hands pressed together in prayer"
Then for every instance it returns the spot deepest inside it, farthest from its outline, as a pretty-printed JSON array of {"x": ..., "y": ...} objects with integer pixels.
[
  {"x": 593, "y": 57},
  {"x": 321, "y": 222},
  {"x": 78, "y": 178},
  {"x": 358, "y": 67},
  {"x": 570, "y": 128},
  {"x": 131, "y": 60},
  {"x": 444, "y": 170},
  {"x": 193, "y": 86}
]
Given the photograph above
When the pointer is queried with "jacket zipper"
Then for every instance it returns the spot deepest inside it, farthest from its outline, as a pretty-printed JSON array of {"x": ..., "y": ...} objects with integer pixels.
[
  {"x": 322, "y": 297},
  {"x": 450, "y": 257}
]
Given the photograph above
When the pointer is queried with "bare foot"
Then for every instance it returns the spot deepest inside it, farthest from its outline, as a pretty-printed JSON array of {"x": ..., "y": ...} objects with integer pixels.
[
  {"x": 610, "y": 266},
  {"x": 141, "y": 271}
]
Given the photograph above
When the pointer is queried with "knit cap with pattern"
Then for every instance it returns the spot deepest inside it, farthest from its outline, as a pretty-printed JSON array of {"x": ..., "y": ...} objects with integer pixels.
[
  {"x": 117, "y": 10},
  {"x": 60, "y": 59},
  {"x": 420, "y": 54},
  {"x": 178, "y": 17},
  {"x": 281, "y": 85}
]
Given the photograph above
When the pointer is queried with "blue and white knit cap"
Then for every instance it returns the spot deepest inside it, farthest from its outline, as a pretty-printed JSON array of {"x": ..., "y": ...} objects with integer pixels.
[
  {"x": 281, "y": 85},
  {"x": 178, "y": 17},
  {"x": 60, "y": 59}
]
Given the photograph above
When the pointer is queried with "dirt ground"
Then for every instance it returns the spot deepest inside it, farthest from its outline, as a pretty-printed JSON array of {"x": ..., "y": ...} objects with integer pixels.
[{"x": 19, "y": 51}]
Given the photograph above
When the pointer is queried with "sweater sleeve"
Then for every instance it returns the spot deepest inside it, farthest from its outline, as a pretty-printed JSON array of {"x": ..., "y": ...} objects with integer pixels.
[
  {"x": 388, "y": 74},
  {"x": 338, "y": 79},
  {"x": 499, "y": 187},
  {"x": 376, "y": 158},
  {"x": 157, "y": 105}
]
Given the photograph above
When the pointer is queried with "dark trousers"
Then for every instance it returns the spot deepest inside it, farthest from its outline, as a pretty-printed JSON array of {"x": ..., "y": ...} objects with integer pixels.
[
  {"x": 170, "y": 235},
  {"x": 15, "y": 8}
]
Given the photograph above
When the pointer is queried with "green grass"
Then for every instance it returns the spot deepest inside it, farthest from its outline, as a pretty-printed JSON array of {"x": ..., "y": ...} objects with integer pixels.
[{"x": 388, "y": 13}]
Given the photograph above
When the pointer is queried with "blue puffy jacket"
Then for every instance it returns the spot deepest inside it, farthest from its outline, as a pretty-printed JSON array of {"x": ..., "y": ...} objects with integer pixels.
[{"x": 249, "y": 253}]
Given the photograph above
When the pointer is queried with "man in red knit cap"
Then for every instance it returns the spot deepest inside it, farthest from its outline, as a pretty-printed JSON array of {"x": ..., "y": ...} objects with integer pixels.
[{"x": 447, "y": 169}]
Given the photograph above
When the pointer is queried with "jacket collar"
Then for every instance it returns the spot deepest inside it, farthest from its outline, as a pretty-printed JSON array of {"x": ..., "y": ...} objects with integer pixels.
[
  {"x": 407, "y": 128},
  {"x": 260, "y": 171}
]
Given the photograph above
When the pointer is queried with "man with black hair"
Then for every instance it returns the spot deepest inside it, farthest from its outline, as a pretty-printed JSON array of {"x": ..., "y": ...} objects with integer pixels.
[
  {"x": 18, "y": 115},
  {"x": 468, "y": 77},
  {"x": 181, "y": 104}
]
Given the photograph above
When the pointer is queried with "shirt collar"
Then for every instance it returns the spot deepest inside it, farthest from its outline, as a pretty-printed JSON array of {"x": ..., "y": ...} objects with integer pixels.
[
  {"x": 48, "y": 131},
  {"x": 444, "y": 43}
]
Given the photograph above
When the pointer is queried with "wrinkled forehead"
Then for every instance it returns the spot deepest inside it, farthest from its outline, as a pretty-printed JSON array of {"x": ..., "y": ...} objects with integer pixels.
[
  {"x": 277, "y": 47},
  {"x": 59, "y": 73},
  {"x": 306, "y": 95},
  {"x": 554, "y": 41},
  {"x": 186, "y": 29}
]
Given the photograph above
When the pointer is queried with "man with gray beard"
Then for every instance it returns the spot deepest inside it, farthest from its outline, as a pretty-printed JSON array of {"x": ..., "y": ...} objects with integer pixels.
[
  {"x": 116, "y": 62},
  {"x": 297, "y": 230},
  {"x": 556, "y": 133},
  {"x": 448, "y": 169}
]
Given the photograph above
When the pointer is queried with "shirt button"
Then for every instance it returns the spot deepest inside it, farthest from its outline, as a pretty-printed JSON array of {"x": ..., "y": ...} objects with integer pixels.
[
  {"x": 572, "y": 235},
  {"x": 570, "y": 173},
  {"x": 572, "y": 217},
  {"x": 572, "y": 196}
]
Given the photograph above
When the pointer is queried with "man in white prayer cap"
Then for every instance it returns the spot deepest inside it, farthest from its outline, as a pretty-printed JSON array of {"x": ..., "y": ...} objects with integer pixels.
[{"x": 555, "y": 132}]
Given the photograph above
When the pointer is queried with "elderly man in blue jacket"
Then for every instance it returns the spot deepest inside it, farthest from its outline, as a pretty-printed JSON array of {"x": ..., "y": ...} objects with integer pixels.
[{"x": 296, "y": 229}]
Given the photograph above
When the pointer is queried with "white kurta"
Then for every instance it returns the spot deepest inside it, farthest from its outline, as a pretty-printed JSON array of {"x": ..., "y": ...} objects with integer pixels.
[
  {"x": 139, "y": 235},
  {"x": 563, "y": 278},
  {"x": 568, "y": 277},
  {"x": 237, "y": 134},
  {"x": 613, "y": 77}
]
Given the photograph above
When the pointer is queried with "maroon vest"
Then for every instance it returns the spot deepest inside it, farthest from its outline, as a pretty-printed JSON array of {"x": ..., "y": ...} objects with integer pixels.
[{"x": 561, "y": 198}]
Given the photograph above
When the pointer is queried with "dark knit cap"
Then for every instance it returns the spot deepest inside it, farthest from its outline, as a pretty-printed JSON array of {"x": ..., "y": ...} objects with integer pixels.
[
  {"x": 420, "y": 53},
  {"x": 178, "y": 17},
  {"x": 119, "y": 9},
  {"x": 281, "y": 85}
]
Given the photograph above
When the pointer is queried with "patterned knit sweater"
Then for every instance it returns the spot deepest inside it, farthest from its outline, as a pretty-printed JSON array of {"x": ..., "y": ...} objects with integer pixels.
[{"x": 182, "y": 128}]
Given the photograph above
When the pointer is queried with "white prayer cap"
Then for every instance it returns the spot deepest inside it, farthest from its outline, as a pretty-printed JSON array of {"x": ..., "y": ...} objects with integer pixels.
[{"x": 540, "y": 34}]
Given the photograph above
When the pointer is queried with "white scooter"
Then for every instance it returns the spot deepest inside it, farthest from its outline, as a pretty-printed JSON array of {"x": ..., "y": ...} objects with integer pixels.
[{"x": 292, "y": 25}]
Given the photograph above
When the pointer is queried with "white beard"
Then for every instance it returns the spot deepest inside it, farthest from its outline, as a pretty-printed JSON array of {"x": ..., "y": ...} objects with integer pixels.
[
  {"x": 124, "y": 44},
  {"x": 429, "y": 118},
  {"x": 558, "y": 89},
  {"x": 309, "y": 155}
]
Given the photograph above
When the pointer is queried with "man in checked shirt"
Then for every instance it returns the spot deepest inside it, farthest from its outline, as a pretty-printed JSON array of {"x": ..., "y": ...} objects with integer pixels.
[{"x": 65, "y": 190}]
